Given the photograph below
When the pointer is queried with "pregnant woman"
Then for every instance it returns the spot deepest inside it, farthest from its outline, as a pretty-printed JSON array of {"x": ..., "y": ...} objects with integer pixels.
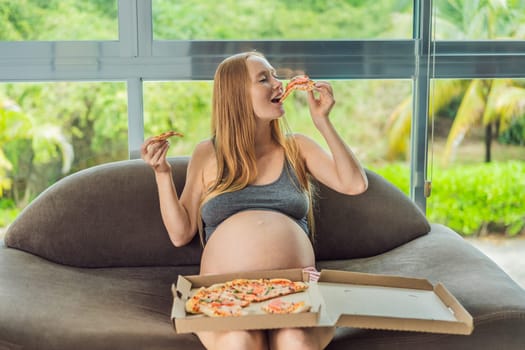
[{"x": 247, "y": 191}]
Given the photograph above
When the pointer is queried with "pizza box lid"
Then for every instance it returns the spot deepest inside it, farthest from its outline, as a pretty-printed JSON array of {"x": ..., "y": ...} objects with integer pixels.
[
  {"x": 361, "y": 300},
  {"x": 339, "y": 298}
]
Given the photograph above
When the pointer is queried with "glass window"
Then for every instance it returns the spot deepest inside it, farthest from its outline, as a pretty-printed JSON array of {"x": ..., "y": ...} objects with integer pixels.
[
  {"x": 478, "y": 166},
  {"x": 480, "y": 20},
  {"x": 281, "y": 20},
  {"x": 50, "y": 130},
  {"x": 55, "y": 20},
  {"x": 361, "y": 115},
  {"x": 179, "y": 106}
]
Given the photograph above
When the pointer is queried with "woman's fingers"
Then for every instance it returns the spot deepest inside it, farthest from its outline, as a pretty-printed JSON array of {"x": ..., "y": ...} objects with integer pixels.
[
  {"x": 153, "y": 151},
  {"x": 144, "y": 147},
  {"x": 321, "y": 104},
  {"x": 159, "y": 152},
  {"x": 325, "y": 90}
]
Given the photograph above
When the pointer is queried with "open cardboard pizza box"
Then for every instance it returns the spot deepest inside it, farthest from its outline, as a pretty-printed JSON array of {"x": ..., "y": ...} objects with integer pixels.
[{"x": 339, "y": 298}]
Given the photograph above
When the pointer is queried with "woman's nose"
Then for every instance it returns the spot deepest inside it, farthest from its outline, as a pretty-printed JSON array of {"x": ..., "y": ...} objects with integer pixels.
[{"x": 277, "y": 84}]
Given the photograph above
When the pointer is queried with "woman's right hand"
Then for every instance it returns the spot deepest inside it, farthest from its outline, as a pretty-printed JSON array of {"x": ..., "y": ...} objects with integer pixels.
[{"x": 154, "y": 154}]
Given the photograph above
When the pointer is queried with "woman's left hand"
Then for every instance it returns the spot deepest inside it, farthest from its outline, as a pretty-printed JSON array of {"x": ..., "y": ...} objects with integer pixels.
[{"x": 321, "y": 105}]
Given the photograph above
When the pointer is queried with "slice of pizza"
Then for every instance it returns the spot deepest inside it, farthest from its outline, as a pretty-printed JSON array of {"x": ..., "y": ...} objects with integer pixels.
[
  {"x": 165, "y": 135},
  {"x": 216, "y": 300},
  {"x": 301, "y": 82},
  {"x": 280, "y": 287},
  {"x": 259, "y": 290},
  {"x": 222, "y": 308},
  {"x": 280, "y": 306},
  {"x": 193, "y": 303},
  {"x": 249, "y": 290},
  {"x": 291, "y": 286}
]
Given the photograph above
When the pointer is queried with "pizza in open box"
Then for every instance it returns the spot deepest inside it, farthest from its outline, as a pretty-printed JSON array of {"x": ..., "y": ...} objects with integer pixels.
[{"x": 232, "y": 297}]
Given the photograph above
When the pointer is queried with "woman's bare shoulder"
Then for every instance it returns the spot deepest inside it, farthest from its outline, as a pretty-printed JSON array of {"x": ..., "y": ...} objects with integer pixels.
[
  {"x": 305, "y": 143},
  {"x": 203, "y": 162},
  {"x": 203, "y": 151}
]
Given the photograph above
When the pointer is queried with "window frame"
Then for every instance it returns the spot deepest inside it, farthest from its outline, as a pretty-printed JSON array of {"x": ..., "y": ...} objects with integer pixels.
[{"x": 135, "y": 57}]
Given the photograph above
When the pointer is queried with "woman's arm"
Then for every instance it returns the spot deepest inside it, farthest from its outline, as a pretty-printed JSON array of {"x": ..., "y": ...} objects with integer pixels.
[
  {"x": 341, "y": 169},
  {"x": 178, "y": 215}
]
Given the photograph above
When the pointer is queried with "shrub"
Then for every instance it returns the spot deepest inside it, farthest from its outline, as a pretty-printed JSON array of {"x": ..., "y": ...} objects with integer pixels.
[
  {"x": 470, "y": 198},
  {"x": 8, "y": 212}
]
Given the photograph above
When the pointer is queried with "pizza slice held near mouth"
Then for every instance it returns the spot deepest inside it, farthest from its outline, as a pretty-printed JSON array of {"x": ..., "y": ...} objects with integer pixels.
[{"x": 300, "y": 82}]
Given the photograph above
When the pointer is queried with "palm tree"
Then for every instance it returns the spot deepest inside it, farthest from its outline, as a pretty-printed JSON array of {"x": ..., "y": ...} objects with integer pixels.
[
  {"x": 491, "y": 103},
  {"x": 399, "y": 121},
  {"x": 494, "y": 104}
]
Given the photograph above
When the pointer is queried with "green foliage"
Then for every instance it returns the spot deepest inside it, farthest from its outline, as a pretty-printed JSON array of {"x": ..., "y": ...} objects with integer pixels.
[
  {"x": 58, "y": 20},
  {"x": 68, "y": 127},
  {"x": 359, "y": 114},
  {"x": 483, "y": 102},
  {"x": 479, "y": 20},
  {"x": 8, "y": 212},
  {"x": 515, "y": 134},
  {"x": 186, "y": 107},
  {"x": 397, "y": 173},
  {"x": 93, "y": 115},
  {"x": 290, "y": 19},
  {"x": 180, "y": 106},
  {"x": 398, "y": 126},
  {"x": 470, "y": 198},
  {"x": 13, "y": 125}
]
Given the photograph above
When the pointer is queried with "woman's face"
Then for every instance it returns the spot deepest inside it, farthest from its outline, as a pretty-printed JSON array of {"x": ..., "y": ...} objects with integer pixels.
[{"x": 265, "y": 89}]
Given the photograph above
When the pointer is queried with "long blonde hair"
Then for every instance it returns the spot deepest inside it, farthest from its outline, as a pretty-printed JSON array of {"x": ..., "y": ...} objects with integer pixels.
[{"x": 233, "y": 133}]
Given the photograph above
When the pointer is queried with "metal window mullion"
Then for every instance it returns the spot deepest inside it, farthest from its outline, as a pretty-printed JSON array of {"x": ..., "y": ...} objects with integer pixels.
[
  {"x": 128, "y": 17},
  {"x": 187, "y": 60},
  {"x": 132, "y": 38},
  {"x": 480, "y": 59},
  {"x": 127, "y": 28},
  {"x": 144, "y": 27},
  {"x": 135, "y": 116},
  {"x": 331, "y": 59},
  {"x": 418, "y": 139}
]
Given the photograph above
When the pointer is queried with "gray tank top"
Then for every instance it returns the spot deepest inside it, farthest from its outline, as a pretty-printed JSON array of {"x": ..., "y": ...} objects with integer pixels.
[{"x": 283, "y": 195}]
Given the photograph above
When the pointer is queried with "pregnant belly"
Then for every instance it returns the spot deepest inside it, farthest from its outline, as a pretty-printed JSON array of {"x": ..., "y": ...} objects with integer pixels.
[{"x": 257, "y": 240}]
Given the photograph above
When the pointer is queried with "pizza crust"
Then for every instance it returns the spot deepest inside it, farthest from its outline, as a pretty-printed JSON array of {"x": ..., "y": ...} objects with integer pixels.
[{"x": 165, "y": 135}]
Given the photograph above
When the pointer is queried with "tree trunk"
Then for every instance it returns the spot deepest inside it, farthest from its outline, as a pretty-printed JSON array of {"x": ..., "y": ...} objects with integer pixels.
[{"x": 488, "y": 142}]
